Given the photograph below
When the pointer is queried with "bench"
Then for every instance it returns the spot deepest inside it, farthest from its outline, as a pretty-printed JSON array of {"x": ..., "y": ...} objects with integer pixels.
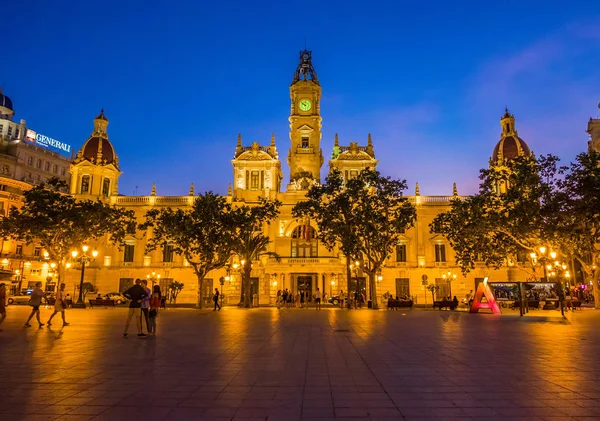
[
  {"x": 444, "y": 304},
  {"x": 400, "y": 304},
  {"x": 100, "y": 303}
]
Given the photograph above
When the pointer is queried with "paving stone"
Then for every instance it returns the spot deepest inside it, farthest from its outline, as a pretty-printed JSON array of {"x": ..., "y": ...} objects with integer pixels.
[{"x": 271, "y": 365}]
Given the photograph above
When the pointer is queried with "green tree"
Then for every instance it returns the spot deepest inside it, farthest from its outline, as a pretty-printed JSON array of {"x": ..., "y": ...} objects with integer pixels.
[
  {"x": 577, "y": 215},
  {"x": 513, "y": 213},
  {"x": 381, "y": 215},
  {"x": 330, "y": 206},
  {"x": 60, "y": 223},
  {"x": 174, "y": 288},
  {"x": 433, "y": 288},
  {"x": 203, "y": 235},
  {"x": 250, "y": 244},
  {"x": 365, "y": 216},
  {"x": 86, "y": 288}
]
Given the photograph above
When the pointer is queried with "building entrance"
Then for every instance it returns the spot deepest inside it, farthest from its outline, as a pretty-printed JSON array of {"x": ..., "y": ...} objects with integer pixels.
[{"x": 304, "y": 283}]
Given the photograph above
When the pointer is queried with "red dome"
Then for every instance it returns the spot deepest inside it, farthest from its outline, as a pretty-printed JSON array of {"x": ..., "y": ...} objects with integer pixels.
[{"x": 510, "y": 147}]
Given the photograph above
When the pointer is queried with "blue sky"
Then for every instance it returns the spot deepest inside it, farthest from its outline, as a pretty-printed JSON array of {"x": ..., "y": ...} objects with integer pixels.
[{"x": 179, "y": 80}]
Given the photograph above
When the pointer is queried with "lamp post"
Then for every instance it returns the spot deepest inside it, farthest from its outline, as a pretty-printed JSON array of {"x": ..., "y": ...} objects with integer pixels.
[
  {"x": 355, "y": 266},
  {"x": 85, "y": 259},
  {"x": 153, "y": 277},
  {"x": 449, "y": 277}
]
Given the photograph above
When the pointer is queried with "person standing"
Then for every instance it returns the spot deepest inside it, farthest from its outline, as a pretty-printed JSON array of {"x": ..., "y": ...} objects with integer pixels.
[
  {"x": 302, "y": 299},
  {"x": 135, "y": 294},
  {"x": 35, "y": 302},
  {"x": 278, "y": 300},
  {"x": 146, "y": 304},
  {"x": 318, "y": 299},
  {"x": 59, "y": 305},
  {"x": 2, "y": 303},
  {"x": 155, "y": 303},
  {"x": 342, "y": 298},
  {"x": 216, "y": 299}
]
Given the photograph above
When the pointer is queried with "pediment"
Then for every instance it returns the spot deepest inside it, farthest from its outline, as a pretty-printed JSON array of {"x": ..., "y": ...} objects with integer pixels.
[
  {"x": 305, "y": 128},
  {"x": 254, "y": 155},
  {"x": 438, "y": 238}
]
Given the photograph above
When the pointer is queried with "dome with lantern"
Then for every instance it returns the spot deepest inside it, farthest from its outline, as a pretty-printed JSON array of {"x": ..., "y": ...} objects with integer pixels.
[
  {"x": 98, "y": 149},
  {"x": 510, "y": 145}
]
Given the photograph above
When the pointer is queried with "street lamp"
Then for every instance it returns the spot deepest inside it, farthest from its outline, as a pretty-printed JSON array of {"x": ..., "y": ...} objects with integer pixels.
[
  {"x": 153, "y": 277},
  {"x": 449, "y": 276},
  {"x": 84, "y": 259}
]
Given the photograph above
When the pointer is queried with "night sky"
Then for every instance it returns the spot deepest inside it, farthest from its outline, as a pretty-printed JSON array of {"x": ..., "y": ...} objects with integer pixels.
[{"x": 179, "y": 80}]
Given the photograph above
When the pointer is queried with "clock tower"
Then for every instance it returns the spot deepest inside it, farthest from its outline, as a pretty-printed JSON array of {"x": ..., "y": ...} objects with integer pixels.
[{"x": 305, "y": 157}]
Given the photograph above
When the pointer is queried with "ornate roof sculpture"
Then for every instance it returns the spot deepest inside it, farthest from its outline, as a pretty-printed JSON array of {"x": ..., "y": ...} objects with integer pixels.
[
  {"x": 97, "y": 149},
  {"x": 510, "y": 145},
  {"x": 305, "y": 69},
  {"x": 353, "y": 152},
  {"x": 256, "y": 152}
]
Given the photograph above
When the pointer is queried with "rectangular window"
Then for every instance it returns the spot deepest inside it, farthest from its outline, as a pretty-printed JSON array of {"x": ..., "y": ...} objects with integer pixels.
[
  {"x": 1, "y": 128},
  {"x": 38, "y": 164},
  {"x": 62, "y": 171},
  {"x": 440, "y": 252},
  {"x": 128, "y": 252},
  {"x": 305, "y": 141},
  {"x": 254, "y": 179},
  {"x": 47, "y": 166},
  {"x": 444, "y": 289},
  {"x": 55, "y": 169},
  {"x": 168, "y": 253},
  {"x": 401, "y": 253},
  {"x": 19, "y": 250},
  {"x": 37, "y": 252},
  {"x": 1, "y": 207},
  {"x": 125, "y": 284},
  {"x": 402, "y": 287},
  {"x": 30, "y": 161},
  {"x": 9, "y": 130}
]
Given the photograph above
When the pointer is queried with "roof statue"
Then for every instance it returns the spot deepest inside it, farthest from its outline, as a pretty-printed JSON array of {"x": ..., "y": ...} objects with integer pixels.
[
  {"x": 417, "y": 190},
  {"x": 305, "y": 70}
]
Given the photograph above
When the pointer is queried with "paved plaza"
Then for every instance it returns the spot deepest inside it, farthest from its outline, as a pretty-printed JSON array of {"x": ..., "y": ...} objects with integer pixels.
[{"x": 269, "y": 364}]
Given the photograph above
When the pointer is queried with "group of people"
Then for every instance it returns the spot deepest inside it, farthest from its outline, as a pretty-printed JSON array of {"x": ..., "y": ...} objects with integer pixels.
[
  {"x": 355, "y": 300},
  {"x": 143, "y": 303},
  {"x": 285, "y": 298}
]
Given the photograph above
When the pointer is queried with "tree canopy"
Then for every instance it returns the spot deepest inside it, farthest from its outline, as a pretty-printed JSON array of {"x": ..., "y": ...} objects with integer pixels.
[
  {"x": 512, "y": 214},
  {"x": 203, "y": 235},
  {"x": 59, "y": 223},
  {"x": 365, "y": 216},
  {"x": 249, "y": 242}
]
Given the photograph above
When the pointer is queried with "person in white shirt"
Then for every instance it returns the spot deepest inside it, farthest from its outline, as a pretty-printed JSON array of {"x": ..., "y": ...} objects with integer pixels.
[
  {"x": 318, "y": 299},
  {"x": 59, "y": 305}
]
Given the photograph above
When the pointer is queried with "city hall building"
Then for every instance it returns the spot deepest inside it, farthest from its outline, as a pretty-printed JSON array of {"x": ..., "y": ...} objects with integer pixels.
[{"x": 420, "y": 257}]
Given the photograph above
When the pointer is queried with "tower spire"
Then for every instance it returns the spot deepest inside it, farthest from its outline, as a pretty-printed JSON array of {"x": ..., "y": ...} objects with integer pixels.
[
  {"x": 305, "y": 69},
  {"x": 272, "y": 139}
]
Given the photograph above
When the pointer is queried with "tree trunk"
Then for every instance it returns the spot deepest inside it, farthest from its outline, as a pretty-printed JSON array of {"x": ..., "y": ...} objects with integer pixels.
[
  {"x": 246, "y": 288},
  {"x": 200, "y": 292},
  {"x": 596, "y": 285},
  {"x": 349, "y": 278},
  {"x": 373, "y": 291}
]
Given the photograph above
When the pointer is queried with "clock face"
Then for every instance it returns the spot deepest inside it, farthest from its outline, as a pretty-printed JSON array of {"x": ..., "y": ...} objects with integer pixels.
[{"x": 305, "y": 104}]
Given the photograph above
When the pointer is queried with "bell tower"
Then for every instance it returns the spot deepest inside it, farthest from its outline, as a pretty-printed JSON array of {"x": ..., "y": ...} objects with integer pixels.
[{"x": 305, "y": 157}]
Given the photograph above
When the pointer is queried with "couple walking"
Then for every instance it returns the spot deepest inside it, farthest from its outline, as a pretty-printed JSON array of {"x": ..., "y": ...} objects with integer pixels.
[
  {"x": 143, "y": 302},
  {"x": 37, "y": 294}
]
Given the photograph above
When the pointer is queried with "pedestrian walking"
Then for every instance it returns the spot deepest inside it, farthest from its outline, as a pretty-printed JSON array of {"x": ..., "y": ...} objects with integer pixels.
[
  {"x": 60, "y": 305},
  {"x": 2, "y": 303},
  {"x": 135, "y": 294},
  {"x": 155, "y": 303},
  {"x": 318, "y": 299},
  {"x": 146, "y": 304},
  {"x": 342, "y": 299},
  {"x": 216, "y": 299},
  {"x": 35, "y": 302},
  {"x": 278, "y": 302},
  {"x": 302, "y": 299}
]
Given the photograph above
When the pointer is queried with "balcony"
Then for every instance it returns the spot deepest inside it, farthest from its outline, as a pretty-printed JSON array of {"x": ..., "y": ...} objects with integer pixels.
[
  {"x": 300, "y": 150},
  {"x": 441, "y": 264}
]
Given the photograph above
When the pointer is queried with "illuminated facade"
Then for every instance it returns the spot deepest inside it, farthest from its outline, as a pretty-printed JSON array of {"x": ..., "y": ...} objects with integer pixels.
[{"x": 420, "y": 257}]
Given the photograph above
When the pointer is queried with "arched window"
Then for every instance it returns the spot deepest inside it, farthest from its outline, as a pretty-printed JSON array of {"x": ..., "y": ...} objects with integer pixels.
[
  {"x": 85, "y": 184},
  {"x": 304, "y": 242},
  {"x": 106, "y": 187}
]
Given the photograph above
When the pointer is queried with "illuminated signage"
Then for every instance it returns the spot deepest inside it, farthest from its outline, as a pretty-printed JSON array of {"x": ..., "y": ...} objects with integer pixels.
[{"x": 46, "y": 141}]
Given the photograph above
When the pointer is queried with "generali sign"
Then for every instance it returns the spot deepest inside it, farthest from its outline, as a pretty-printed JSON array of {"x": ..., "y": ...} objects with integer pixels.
[{"x": 46, "y": 141}]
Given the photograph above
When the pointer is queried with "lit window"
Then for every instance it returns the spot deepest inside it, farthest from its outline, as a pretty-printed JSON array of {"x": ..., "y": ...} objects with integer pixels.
[
  {"x": 85, "y": 184},
  {"x": 305, "y": 141},
  {"x": 440, "y": 252},
  {"x": 254, "y": 179},
  {"x": 37, "y": 251}
]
